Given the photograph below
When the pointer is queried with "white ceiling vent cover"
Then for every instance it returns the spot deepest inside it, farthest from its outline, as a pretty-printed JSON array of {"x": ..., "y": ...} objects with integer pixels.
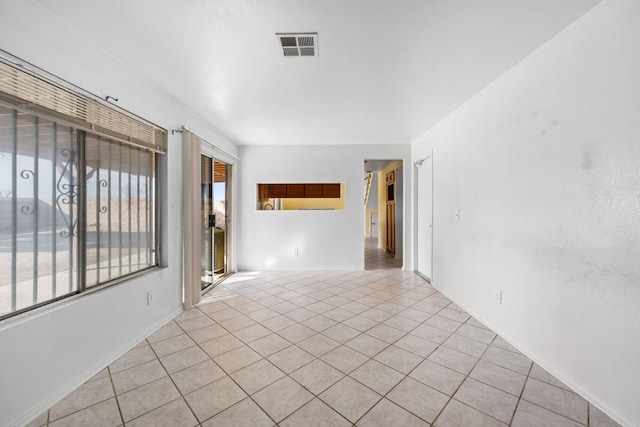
[{"x": 298, "y": 44}]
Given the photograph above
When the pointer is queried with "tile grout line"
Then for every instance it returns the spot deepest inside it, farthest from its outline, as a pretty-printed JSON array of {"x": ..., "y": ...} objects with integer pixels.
[
  {"x": 50, "y": 421},
  {"x": 370, "y": 358},
  {"x": 553, "y": 411},
  {"x": 515, "y": 410},
  {"x": 172, "y": 381},
  {"x": 388, "y": 344},
  {"x": 292, "y": 343},
  {"x": 384, "y": 396},
  {"x": 115, "y": 394},
  {"x": 227, "y": 375},
  {"x": 465, "y": 377},
  {"x": 319, "y": 358},
  {"x": 405, "y": 375},
  {"x": 376, "y": 289}
]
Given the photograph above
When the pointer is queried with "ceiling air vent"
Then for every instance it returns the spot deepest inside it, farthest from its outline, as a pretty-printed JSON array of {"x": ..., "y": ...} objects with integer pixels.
[{"x": 298, "y": 44}]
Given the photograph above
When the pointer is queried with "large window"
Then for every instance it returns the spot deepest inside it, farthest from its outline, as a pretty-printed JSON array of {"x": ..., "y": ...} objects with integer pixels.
[
  {"x": 120, "y": 209},
  {"x": 76, "y": 210}
]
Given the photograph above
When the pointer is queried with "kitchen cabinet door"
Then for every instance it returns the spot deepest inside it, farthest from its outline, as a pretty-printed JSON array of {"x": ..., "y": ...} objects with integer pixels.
[
  {"x": 331, "y": 191},
  {"x": 295, "y": 190},
  {"x": 313, "y": 190},
  {"x": 277, "y": 190}
]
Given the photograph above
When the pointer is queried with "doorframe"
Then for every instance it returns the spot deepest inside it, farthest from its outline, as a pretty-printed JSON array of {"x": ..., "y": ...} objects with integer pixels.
[
  {"x": 407, "y": 191},
  {"x": 417, "y": 165}
]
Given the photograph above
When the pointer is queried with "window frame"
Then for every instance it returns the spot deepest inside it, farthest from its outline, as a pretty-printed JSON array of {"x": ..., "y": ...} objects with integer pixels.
[{"x": 82, "y": 288}]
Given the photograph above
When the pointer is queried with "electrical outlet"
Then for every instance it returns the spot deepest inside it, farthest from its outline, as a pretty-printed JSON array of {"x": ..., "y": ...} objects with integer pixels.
[
  {"x": 150, "y": 297},
  {"x": 499, "y": 297}
]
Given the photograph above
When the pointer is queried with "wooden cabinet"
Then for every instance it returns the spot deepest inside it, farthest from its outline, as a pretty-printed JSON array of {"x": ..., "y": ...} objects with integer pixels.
[
  {"x": 313, "y": 190},
  {"x": 263, "y": 192},
  {"x": 331, "y": 191},
  {"x": 277, "y": 191},
  {"x": 296, "y": 190}
]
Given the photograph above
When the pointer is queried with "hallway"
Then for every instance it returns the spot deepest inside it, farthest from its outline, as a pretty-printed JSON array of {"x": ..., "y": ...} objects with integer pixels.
[
  {"x": 376, "y": 258},
  {"x": 333, "y": 348}
]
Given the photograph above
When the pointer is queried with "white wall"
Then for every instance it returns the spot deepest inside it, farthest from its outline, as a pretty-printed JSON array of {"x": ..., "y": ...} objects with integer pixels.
[
  {"x": 327, "y": 240},
  {"x": 544, "y": 165},
  {"x": 48, "y": 352}
]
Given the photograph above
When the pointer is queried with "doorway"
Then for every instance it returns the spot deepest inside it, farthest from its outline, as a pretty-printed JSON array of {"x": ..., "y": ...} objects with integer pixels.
[
  {"x": 424, "y": 218},
  {"x": 383, "y": 213},
  {"x": 373, "y": 226},
  {"x": 215, "y": 220}
]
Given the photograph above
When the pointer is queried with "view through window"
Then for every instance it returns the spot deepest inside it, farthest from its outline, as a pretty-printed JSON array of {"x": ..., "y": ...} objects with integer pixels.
[{"x": 76, "y": 210}]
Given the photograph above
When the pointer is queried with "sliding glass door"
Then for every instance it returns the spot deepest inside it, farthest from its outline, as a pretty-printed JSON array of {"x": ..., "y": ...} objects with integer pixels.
[{"x": 215, "y": 210}]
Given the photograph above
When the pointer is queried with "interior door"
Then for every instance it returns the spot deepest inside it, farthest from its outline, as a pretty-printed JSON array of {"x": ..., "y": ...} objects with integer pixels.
[
  {"x": 391, "y": 227},
  {"x": 425, "y": 218},
  {"x": 391, "y": 212},
  {"x": 374, "y": 225}
]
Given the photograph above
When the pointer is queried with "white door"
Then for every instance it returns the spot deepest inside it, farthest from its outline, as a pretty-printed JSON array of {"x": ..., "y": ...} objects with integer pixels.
[
  {"x": 424, "y": 215},
  {"x": 374, "y": 225}
]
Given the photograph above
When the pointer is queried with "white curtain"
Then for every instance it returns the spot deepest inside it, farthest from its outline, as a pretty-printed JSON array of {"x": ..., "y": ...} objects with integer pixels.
[{"x": 191, "y": 233}]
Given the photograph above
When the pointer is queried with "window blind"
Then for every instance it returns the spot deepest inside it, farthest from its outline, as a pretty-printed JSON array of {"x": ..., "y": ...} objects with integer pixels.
[{"x": 26, "y": 90}]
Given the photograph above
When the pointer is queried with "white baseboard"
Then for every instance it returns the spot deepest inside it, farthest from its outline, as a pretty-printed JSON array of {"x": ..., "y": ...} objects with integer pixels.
[
  {"x": 558, "y": 373},
  {"x": 67, "y": 388}
]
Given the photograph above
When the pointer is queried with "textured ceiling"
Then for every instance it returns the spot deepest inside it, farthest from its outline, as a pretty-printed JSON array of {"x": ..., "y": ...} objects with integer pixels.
[{"x": 387, "y": 71}]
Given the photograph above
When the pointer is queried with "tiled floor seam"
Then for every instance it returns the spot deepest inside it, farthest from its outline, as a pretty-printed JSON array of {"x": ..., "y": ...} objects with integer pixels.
[
  {"x": 392, "y": 388},
  {"x": 378, "y": 287},
  {"x": 76, "y": 411},
  {"x": 346, "y": 375},
  {"x": 235, "y": 382},
  {"x": 557, "y": 413},
  {"x": 315, "y": 397},
  {"x": 513, "y": 416},
  {"x": 115, "y": 394},
  {"x": 463, "y": 381},
  {"x": 376, "y": 404},
  {"x": 172, "y": 381},
  {"x": 231, "y": 378}
]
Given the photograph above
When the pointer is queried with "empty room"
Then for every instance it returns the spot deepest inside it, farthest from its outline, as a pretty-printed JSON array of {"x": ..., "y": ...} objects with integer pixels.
[{"x": 320, "y": 213}]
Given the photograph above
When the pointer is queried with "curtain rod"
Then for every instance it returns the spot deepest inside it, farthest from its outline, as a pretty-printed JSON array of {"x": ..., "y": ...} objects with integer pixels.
[{"x": 215, "y": 147}]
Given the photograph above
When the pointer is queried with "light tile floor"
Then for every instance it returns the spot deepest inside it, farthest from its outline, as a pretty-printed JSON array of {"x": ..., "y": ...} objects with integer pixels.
[
  {"x": 334, "y": 348},
  {"x": 377, "y": 259}
]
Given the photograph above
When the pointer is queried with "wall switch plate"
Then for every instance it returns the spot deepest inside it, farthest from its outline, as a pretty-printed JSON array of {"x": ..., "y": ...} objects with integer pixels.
[
  {"x": 296, "y": 252},
  {"x": 150, "y": 297},
  {"x": 499, "y": 297},
  {"x": 458, "y": 214}
]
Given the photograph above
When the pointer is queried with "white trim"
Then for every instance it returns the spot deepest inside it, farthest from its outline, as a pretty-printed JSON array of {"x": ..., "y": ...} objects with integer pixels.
[{"x": 418, "y": 164}]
